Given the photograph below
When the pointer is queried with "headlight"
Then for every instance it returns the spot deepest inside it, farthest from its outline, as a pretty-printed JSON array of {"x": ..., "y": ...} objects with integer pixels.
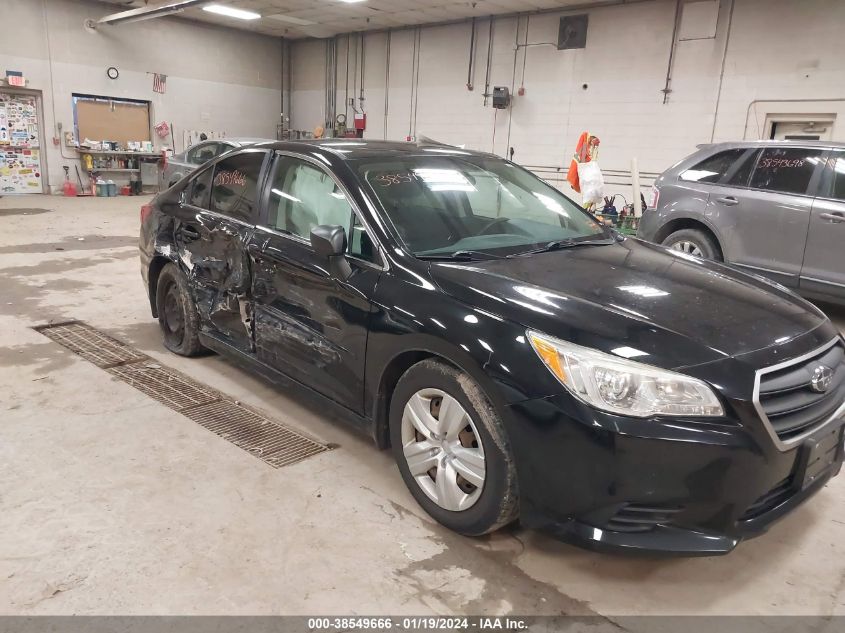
[{"x": 623, "y": 386}]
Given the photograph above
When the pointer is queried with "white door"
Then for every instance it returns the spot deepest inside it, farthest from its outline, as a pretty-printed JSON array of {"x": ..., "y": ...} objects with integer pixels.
[{"x": 20, "y": 144}]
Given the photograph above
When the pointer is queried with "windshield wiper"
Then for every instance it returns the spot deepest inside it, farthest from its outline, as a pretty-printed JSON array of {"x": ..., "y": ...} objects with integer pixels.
[
  {"x": 562, "y": 244},
  {"x": 461, "y": 256}
]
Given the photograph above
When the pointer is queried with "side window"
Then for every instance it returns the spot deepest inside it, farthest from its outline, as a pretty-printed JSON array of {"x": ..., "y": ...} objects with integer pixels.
[
  {"x": 712, "y": 169},
  {"x": 235, "y": 186},
  {"x": 838, "y": 186},
  {"x": 360, "y": 243},
  {"x": 788, "y": 170},
  {"x": 203, "y": 153},
  {"x": 303, "y": 196},
  {"x": 199, "y": 191},
  {"x": 743, "y": 171}
]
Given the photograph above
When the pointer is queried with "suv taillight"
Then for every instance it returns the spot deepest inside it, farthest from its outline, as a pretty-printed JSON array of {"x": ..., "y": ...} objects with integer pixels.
[
  {"x": 146, "y": 211},
  {"x": 653, "y": 198}
]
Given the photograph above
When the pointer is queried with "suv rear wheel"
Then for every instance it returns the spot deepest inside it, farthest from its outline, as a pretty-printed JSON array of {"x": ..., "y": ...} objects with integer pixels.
[{"x": 694, "y": 242}]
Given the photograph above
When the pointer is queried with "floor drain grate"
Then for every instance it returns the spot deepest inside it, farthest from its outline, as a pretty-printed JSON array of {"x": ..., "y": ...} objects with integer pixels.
[
  {"x": 91, "y": 344},
  {"x": 263, "y": 438},
  {"x": 271, "y": 442},
  {"x": 164, "y": 385}
]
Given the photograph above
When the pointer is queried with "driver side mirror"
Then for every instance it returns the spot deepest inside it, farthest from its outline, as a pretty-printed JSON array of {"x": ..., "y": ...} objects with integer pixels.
[{"x": 329, "y": 241}]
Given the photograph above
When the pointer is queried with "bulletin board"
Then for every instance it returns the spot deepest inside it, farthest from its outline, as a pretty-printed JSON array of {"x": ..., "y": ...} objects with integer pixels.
[{"x": 105, "y": 119}]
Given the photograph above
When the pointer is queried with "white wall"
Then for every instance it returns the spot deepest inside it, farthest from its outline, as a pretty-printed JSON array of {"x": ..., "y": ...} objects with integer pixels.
[
  {"x": 219, "y": 79},
  {"x": 778, "y": 49}
]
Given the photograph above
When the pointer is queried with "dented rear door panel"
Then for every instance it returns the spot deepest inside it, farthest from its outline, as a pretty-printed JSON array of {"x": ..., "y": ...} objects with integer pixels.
[{"x": 213, "y": 254}]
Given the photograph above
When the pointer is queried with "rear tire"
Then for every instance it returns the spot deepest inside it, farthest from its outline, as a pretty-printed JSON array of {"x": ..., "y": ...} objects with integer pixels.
[
  {"x": 693, "y": 242},
  {"x": 177, "y": 314},
  {"x": 444, "y": 427}
]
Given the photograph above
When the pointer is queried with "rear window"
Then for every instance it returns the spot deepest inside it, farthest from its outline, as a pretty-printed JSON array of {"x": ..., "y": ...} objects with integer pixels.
[
  {"x": 786, "y": 170},
  {"x": 712, "y": 169},
  {"x": 235, "y": 187},
  {"x": 742, "y": 172},
  {"x": 200, "y": 189}
]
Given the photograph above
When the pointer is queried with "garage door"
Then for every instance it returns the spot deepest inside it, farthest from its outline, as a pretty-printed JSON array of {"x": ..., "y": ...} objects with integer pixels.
[{"x": 20, "y": 144}]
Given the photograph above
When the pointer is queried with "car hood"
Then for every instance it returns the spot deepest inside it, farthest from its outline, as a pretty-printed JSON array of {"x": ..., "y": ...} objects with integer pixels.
[{"x": 636, "y": 300}]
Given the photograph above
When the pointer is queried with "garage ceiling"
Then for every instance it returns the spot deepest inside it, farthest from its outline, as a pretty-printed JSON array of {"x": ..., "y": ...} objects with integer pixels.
[{"x": 323, "y": 18}]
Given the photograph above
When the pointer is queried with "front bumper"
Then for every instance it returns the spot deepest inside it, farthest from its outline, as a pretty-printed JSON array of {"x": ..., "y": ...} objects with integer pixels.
[{"x": 659, "y": 486}]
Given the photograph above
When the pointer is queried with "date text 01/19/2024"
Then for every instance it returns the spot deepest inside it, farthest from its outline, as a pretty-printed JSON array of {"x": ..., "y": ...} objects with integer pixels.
[{"x": 423, "y": 623}]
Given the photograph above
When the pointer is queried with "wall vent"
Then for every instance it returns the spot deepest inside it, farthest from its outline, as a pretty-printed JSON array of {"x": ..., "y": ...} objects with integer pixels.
[{"x": 573, "y": 32}]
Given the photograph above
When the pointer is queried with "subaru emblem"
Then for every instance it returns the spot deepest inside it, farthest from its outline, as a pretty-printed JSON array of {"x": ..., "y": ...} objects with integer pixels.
[{"x": 822, "y": 377}]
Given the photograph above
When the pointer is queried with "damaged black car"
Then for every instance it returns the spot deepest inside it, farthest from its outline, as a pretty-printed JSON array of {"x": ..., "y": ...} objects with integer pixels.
[{"x": 521, "y": 360}]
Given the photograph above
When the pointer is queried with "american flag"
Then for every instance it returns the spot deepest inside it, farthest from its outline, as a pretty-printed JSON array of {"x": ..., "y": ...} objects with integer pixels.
[{"x": 159, "y": 83}]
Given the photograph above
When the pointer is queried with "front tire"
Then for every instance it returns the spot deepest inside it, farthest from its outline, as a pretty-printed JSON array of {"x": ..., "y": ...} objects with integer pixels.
[
  {"x": 177, "y": 314},
  {"x": 693, "y": 242},
  {"x": 452, "y": 450}
]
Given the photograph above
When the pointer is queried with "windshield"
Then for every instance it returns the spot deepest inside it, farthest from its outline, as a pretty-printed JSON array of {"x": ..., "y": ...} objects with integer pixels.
[{"x": 442, "y": 205}]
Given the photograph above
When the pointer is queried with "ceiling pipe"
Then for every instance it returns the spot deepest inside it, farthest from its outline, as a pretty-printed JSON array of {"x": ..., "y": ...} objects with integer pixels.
[{"x": 149, "y": 13}]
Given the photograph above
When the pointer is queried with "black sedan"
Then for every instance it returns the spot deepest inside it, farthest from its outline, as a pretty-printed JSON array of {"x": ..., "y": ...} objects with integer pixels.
[{"x": 521, "y": 360}]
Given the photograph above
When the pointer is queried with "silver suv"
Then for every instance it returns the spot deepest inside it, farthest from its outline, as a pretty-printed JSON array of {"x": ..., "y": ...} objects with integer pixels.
[{"x": 775, "y": 208}]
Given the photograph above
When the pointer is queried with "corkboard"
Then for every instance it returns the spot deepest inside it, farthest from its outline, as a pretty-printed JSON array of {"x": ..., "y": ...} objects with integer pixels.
[{"x": 117, "y": 121}]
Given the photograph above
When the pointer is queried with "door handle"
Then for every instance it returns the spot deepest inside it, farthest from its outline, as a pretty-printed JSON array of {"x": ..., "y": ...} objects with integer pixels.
[
  {"x": 189, "y": 233},
  {"x": 835, "y": 218},
  {"x": 728, "y": 201}
]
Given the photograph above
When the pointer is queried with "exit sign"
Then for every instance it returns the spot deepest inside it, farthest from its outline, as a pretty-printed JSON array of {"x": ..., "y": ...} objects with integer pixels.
[{"x": 15, "y": 78}]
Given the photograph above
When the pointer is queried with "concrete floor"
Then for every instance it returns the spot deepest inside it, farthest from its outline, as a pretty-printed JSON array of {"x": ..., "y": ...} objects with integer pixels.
[{"x": 113, "y": 504}]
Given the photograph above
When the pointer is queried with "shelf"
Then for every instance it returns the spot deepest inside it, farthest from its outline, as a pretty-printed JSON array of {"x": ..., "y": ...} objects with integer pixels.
[
  {"x": 96, "y": 169},
  {"x": 112, "y": 153}
]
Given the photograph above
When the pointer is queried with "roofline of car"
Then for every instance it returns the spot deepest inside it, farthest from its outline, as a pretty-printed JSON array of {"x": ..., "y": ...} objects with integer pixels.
[{"x": 776, "y": 142}]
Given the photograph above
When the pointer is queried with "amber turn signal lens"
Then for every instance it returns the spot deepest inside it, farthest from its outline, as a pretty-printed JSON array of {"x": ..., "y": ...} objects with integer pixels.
[{"x": 550, "y": 356}]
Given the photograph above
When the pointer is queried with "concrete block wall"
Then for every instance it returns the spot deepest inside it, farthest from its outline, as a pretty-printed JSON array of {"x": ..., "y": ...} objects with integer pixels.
[
  {"x": 219, "y": 79},
  {"x": 777, "y": 51}
]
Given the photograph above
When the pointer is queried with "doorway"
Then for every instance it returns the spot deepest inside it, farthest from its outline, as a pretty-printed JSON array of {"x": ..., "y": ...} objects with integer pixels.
[
  {"x": 21, "y": 155},
  {"x": 800, "y": 127}
]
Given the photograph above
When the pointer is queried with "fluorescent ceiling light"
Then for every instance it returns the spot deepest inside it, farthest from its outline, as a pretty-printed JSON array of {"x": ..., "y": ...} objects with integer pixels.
[
  {"x": 231, "y": 12},
  {"x": 290, "y": 19},
  {"x": 147, "y": 13}
]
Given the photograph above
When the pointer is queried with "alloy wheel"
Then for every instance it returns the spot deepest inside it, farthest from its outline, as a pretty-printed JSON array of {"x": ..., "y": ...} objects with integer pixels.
[
  {"x": 443, "y": 449},
  {"x": 686, "y": 246}
]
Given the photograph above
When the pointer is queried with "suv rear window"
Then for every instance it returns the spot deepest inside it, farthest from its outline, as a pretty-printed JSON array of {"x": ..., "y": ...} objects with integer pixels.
[
  {"x": 787, "y": 170},
  {"x": 712, "y": 169}
]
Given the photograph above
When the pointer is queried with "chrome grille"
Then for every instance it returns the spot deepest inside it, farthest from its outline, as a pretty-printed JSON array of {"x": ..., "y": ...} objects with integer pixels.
[{"x": 786, "y": 401}]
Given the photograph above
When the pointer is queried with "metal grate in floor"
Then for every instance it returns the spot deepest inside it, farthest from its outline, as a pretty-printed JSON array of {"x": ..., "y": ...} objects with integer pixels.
[
  {"x": 94, "y": 346},
  {"x": 271, "y": 442},
  {"x": 268, "y": 440},
  {"x": 164, "y": 385}
]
